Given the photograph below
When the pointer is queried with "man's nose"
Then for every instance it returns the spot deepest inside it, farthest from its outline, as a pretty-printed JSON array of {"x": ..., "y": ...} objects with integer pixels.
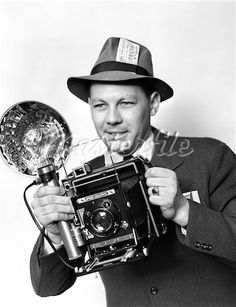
[{"x": 113, "y": 116}]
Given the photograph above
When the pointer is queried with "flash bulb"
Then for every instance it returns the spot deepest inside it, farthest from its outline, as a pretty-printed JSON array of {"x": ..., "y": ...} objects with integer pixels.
[{"x": 33, "y": 134}]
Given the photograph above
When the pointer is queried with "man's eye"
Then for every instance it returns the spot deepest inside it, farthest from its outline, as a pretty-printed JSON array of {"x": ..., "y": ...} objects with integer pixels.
[
  {"x": 127, "y": 103},
  {"x": 99, "y": 106}
]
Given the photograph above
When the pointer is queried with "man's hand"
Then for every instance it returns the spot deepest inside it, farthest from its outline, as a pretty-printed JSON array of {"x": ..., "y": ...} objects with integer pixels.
[
  {"x": 173, "y": 204},
  {"x": 50, "y": 206}
]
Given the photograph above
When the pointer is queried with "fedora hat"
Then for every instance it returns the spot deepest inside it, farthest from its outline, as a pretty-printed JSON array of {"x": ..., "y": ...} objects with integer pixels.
[{"x": 121, "y": 61}]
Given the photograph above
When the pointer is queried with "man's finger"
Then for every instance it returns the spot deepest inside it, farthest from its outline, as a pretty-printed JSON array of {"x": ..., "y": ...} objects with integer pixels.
[
  {"x": 48, "y": 190},
  {"x": 51, "y": 199},
  {"x": 158, "y": 172},
  {"x": 161, "y": 182}
]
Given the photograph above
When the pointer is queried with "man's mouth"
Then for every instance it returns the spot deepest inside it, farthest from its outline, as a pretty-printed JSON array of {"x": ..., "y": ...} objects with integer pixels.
[{"x": 116, "y": 135}]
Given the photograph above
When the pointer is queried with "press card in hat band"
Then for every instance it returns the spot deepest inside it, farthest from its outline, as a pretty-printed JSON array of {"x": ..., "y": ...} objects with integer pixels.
[
  {"x": 127, "y": 52},
  {"x": 121, "y": 60}
]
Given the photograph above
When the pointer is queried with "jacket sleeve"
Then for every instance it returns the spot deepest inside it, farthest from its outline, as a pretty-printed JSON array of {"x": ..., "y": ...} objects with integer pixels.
[
  {"x": 49, "y": 276},
  {"x": 211, "y": 227}
]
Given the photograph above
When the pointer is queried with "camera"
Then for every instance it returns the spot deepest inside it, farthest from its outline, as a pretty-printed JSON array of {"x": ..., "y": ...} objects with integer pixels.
[{"x": 114, "y": 221}]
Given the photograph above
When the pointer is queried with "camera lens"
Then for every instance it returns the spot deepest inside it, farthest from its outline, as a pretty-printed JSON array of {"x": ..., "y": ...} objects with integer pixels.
[
  {"x": 102, "y": 218},
  {"x": 102, "y": 221}
]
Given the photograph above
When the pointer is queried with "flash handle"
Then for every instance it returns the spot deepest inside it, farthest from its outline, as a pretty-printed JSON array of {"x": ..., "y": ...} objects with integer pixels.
[{"x": 48, "y": 177}]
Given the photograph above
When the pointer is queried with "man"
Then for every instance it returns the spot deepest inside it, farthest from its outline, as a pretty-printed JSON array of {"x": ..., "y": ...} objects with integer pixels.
[{"x": 193, "y": 264}]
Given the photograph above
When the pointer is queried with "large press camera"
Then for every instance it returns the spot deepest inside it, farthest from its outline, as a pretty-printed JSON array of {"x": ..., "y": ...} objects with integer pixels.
[{"x": 114, "y": 221}]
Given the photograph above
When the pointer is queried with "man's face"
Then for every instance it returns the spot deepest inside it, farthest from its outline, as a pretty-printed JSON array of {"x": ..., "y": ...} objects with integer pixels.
[{"x": 121, "y": 115}]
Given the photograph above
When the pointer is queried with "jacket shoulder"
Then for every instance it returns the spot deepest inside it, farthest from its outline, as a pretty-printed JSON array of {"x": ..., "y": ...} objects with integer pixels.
[
  {"x": 207, "y": 145},
  {"x": 174, "y": 146}
]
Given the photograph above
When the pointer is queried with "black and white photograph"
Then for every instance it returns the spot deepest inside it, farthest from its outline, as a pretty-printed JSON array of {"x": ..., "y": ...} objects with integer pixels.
[{"x": 117, "y": 153}]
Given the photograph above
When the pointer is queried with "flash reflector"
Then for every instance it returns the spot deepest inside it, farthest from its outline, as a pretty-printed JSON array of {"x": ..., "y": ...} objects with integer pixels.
[{"x": 33, "y": 134}]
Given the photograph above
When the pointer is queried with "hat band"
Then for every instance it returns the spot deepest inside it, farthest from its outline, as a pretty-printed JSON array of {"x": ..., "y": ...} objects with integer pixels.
[{"x": 113, "y": 65}]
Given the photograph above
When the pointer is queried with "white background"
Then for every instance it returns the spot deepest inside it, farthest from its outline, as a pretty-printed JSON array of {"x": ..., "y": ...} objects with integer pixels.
[{"x": 45, "y": 42}]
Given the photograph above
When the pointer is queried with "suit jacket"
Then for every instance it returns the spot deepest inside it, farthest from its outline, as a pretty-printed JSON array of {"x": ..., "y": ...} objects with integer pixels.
[{"x": 196, "y": 269}]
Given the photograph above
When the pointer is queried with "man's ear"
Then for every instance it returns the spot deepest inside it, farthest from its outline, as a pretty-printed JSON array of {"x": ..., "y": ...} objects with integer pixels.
[{"x": 155, "y": 100}]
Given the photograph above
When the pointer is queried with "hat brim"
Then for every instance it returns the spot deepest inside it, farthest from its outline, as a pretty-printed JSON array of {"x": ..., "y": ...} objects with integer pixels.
[{"x": 79, "y": 86}]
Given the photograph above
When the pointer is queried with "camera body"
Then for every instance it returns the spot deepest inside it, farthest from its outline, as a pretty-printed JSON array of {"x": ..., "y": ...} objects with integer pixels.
[{"x": 114, "y": 221}]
